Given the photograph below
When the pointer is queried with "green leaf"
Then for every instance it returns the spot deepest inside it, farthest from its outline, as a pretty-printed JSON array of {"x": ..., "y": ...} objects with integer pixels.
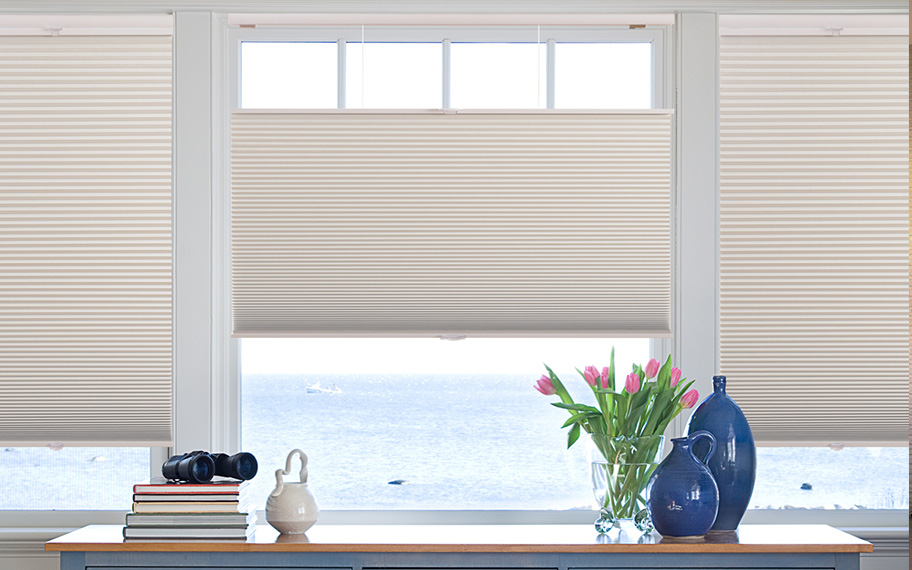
[
  {"x": 562, "y": 392},
  {"x": 608, "y": 393},
  {"x": 660, "y": 409},
  {"x": 633, "y": 418},
  {"x": 577, "y": 407},
  {"x": 611, "y": 371},
  {"x": 664, "y": 377},
  {"x": 579, "y": 418},
  {"x": 573, "y": 435},
  {"x": 683, "y": 390}
]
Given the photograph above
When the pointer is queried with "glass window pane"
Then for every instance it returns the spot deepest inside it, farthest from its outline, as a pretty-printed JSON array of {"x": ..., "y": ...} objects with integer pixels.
[
  {"x": 497, "y": 76},
  {"x": 288, "y": 75},
  {"x": 603, "y": 76},
  {"x": 74, "y": 478},
  {"x": 394, "y": 76},
  {"x": 822, "y": 478},
  {"x": 459, "y": 423}
]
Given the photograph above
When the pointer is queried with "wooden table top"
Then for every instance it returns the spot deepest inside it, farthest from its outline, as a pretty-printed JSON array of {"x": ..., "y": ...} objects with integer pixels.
[{"x": 564, "y": 538}]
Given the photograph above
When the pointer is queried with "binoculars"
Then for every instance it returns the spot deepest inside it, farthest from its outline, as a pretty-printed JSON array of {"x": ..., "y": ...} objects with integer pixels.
[{"x": 201, "y": 466}]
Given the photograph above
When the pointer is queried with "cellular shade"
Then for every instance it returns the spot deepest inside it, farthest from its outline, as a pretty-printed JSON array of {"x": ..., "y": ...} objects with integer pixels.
[
  {"x": 429, "y": 223},
  {"x": 85, "y": 240},
  {"x": 814, "y": 237}
]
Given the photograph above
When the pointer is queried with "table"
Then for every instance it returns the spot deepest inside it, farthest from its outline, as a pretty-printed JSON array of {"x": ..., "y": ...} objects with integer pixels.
[{"x": 469, "y": 547}]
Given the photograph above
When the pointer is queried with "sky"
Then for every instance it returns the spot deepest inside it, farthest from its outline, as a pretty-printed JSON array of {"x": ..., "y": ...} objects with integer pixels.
[{"x": 472, "y": 355}]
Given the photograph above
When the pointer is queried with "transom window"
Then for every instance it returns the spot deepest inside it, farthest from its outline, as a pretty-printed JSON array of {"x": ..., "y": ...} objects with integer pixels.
[{"x": 463, "y": 68}]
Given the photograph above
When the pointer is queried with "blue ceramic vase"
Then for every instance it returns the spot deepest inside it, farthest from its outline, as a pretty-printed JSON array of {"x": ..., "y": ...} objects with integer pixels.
[
  {"x": 734, "y": 465},
  {"x": 682, "y": 496}
]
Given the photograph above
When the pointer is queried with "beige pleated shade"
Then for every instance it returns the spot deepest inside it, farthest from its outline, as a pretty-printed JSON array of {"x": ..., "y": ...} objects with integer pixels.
[
  {"x": 815, "y": 237},
  {"x": 85, "y": 240},
  {"x": 354, "y": 223}
]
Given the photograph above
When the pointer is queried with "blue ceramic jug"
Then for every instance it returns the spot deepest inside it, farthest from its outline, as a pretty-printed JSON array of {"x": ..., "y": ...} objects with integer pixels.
[
  {"x": 734, "y": 466},
  {"x": 682, "y": 496}
]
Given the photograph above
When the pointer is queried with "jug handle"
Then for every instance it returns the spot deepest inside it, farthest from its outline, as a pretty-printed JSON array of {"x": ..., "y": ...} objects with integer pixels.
[
  {"x": 712, "y": 443},
  {"x": 280, "y": 482}
]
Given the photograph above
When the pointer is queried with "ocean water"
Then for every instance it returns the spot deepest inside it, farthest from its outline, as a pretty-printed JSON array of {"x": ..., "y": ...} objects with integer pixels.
[
  {"x": 491, "y": 442},
  {"x": 453, "y": 442},
  {"x": 73, "y": 478}
]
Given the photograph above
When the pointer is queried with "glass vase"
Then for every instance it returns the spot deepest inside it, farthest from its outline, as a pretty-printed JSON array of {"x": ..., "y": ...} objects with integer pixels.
[{"x": 620, "y": 467}]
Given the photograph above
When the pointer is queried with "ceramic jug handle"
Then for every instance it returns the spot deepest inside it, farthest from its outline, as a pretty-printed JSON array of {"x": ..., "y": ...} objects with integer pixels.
[
  {"x": 280, "y": 482},
  {"x": 303, "y": 472},
  {"x": 712, "y": 442}
]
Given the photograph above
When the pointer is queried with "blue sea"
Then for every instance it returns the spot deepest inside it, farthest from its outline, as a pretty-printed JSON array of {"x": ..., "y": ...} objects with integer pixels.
[
  {"x": 492, "y": 442},
  {"x": 449, "y": 442}
]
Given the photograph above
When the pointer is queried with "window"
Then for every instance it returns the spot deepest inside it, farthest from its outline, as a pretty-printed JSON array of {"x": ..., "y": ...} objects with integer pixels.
[
  {"x": 288, "y": 75},
  {"x": 87, "y": 337},
  {"x": 393, "y": 75},
  {"x": 824, "y": 478},
  {"x": 424, "y": 423},
  {"x": 498, "y": 76},
  {"x": 796, "y": 282},
  {"x": 461, "y": 67},
  {"x": 73, "y": 478},
  {"x": 591, "y": 76}
]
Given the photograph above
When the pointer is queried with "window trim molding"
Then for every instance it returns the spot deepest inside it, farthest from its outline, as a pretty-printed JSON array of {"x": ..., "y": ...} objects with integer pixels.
[{"x": 456, "y": 7}]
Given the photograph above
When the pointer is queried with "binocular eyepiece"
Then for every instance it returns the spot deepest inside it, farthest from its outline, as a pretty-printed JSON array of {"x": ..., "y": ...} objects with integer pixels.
[{"x": 200, "y": 466}]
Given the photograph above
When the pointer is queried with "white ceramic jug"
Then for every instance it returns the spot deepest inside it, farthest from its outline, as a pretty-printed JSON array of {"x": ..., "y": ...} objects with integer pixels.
[{"x": 291, "y": 507}]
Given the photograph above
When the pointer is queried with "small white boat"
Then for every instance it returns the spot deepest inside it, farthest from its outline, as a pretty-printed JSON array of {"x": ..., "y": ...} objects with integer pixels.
[{"x": 315, "y": 388}]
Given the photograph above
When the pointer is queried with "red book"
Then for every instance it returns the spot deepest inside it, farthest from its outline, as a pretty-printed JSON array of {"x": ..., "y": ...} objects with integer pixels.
[{"x": 159, "y": 486}]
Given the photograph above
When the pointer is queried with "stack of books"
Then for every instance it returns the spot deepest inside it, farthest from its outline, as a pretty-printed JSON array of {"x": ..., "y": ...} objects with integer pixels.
[{"x": 166, "y": 511}]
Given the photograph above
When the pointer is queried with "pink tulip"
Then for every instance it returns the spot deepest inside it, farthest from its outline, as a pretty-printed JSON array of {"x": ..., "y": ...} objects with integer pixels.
[
  {"x": 545, "y": 386},
  {"x": 605, "y": 375},
  {"x": 591, "y": 375},
  {"x": 632, "y": 385},
  {"x": 675, "y": 376},
  {"x": 689, "y": 399},
  {"x": 652, "y": 368}
]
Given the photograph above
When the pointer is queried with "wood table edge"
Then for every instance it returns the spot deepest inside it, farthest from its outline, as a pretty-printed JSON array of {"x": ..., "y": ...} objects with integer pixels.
[{"x": 671, "y": 546}]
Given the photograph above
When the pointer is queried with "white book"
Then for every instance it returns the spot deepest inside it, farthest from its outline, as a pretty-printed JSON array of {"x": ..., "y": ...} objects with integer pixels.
[
  {"x": 188, "y": 532},
  {"x": 192, "y": 507}
]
